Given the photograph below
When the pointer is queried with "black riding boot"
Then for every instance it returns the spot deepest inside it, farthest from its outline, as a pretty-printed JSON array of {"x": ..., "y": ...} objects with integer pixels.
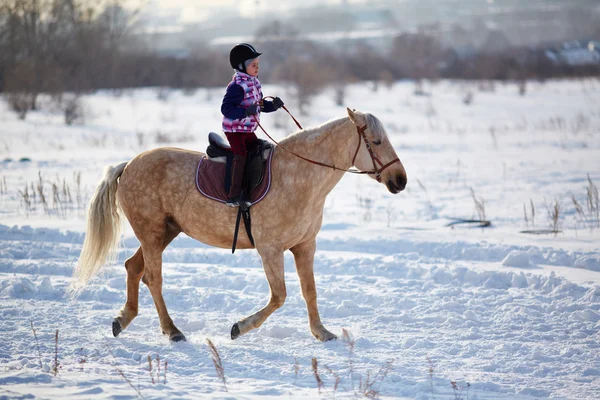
[{"x": 237, "y": 177}]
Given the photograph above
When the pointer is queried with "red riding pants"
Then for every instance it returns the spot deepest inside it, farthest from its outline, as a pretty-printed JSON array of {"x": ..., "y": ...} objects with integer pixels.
[{"x": 240, "y": 141}]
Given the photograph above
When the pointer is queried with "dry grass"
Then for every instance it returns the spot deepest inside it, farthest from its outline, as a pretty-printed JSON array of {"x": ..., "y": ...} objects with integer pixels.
[
  {"x": 479, "y": 205},
  {"x": 529, "y": 217},
  {"x": 554, "y": 212},
  {"x": 26, "y": 201},
  {"x": 150, "y": 370},
  {"x": 120, "y": 372},
  {"x": 296, "y": 369},
  {"x": 218, "y": 363},
  {"x": 368, "y": 386},
  {"x": 458, "y": 390},
  {"x": 315, "y": 369},
  {"x": 592, "y": 201},
  {"x": 56, "y": 366},
  {"x": 37, "y": 344},
  {"x": 429, "y": 203},
  {"x": 59, "y": 202}
]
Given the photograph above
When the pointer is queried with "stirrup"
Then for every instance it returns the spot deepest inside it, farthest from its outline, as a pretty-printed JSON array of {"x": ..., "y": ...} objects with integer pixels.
[
  {"x": 238, "y": 201},
  {"x": 234, "y": 202}
]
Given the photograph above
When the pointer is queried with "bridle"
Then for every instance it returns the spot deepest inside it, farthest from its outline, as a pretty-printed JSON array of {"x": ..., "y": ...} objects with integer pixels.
[{"x": 361, "y": 134}]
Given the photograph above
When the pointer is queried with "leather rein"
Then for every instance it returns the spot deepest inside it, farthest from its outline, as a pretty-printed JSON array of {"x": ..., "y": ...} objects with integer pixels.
[{"x": 361, "y": 134}]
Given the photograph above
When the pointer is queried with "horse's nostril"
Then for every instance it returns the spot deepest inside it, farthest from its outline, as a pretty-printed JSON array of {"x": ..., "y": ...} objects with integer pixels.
[{"x": 401, "y": 182}]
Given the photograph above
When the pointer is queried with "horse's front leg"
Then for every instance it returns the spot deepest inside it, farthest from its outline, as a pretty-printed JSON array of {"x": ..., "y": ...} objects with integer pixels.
[
  {"x": 273, "y": 264},
  {"x": 304, "y": 255}
]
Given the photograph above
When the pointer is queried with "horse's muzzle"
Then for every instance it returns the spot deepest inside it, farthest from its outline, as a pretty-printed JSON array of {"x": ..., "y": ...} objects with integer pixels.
[{"x": 398, "y": 186}]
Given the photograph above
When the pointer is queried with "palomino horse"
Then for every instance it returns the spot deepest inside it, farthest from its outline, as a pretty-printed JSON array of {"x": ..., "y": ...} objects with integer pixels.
[{"x": 157, "y": 193}]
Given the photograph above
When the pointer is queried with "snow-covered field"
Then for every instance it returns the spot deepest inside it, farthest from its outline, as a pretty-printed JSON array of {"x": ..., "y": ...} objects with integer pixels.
[{"x": 501, "y": 313}]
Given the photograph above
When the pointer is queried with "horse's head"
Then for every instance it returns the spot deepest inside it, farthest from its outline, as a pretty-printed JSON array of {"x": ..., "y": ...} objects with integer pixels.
[{"x": 375, "y": 152}]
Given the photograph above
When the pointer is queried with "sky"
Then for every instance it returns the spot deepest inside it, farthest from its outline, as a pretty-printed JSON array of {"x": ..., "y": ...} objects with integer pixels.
[{"x": 192, "y": 10}]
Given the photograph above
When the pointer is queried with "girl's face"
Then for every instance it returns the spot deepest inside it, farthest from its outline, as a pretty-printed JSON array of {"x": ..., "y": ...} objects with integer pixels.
[{"x": 252, "y": 69}]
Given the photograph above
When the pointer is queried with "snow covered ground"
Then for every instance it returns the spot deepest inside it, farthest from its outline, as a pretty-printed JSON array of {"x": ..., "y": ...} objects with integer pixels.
[{"x": 501, "y": 313}]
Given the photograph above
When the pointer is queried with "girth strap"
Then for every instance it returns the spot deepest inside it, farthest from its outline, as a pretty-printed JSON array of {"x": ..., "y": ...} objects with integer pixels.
[{"x": 243, "y": 212}]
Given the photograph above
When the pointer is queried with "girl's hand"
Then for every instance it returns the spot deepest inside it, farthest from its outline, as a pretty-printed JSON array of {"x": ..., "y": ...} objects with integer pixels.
[
  {"x": 252, "y": 110},
  {"x": 277, "y": 103}
]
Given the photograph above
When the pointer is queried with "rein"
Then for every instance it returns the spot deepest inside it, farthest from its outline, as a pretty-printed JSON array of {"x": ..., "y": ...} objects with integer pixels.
[{"x": 361, "y": 133}]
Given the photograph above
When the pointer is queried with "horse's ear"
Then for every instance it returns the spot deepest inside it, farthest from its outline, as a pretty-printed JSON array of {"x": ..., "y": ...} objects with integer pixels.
[{"x": 351, "y": 115}]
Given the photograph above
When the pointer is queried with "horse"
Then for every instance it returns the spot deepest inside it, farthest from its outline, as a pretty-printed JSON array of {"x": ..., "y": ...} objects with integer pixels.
[{"x": 156, "y": 192}]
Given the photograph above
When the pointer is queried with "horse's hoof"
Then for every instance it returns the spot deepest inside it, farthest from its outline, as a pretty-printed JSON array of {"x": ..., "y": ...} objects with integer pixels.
[
  {"x": 177, "y": 337},
  {"x": 325, "y": 336},
  {"x": 116, "y": 327},
  {"x": 235, "y": 331}
]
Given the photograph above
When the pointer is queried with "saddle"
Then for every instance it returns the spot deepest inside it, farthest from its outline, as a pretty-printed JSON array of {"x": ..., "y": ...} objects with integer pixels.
[{"x": 213, "y": 176}]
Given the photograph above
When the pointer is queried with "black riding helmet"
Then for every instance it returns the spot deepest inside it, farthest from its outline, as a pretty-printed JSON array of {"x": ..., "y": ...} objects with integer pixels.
[{"x": 240, "y": 54}]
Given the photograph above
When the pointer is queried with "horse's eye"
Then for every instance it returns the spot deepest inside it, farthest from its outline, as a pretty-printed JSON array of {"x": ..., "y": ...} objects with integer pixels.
[{"x": 376, "y": 142}]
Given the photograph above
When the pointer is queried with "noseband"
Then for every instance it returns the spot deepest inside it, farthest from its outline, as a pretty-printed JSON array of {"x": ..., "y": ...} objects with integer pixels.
[{"x": 377, "y": 172}]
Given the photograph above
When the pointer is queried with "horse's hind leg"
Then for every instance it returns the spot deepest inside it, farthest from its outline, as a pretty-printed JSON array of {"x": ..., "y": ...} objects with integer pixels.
[
  {"x": 153, "y": 279},
  {"x": 304, "y": 256},
  {"x": 135, "y": 272},
  {"x": 273, "y": 266}
]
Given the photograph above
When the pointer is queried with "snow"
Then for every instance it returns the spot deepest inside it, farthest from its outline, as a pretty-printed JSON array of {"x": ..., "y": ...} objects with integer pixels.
[{"x": 504, "y": 314}]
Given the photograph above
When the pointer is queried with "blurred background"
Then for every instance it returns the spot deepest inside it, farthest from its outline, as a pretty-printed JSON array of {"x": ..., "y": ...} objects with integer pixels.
[{"x": 78, "y": 46}]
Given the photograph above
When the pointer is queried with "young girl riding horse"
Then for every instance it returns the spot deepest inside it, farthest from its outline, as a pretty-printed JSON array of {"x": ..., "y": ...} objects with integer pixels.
[{"x": 241, "y": 108}]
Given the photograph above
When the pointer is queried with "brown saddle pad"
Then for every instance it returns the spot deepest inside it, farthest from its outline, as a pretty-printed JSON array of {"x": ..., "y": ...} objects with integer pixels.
[{"x": 210, "y": 178}]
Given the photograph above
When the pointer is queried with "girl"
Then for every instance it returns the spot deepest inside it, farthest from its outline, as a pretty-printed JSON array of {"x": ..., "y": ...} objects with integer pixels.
[{"x": 241, "y": 108}]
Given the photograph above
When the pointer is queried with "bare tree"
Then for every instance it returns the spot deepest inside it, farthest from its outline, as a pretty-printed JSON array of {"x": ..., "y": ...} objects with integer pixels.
[{"x": 418, "y": 56}]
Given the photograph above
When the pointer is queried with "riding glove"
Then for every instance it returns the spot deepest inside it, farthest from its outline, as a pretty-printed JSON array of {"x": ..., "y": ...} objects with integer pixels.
[
  {"x": 277, "y": 103},
  {"x": 252, "y": 110}
]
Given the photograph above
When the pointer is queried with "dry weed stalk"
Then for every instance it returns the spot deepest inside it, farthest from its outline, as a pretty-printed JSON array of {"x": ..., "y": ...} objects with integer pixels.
[
  {"x": 296, "y": 369},
  {"x": 216, "y": 359},
  {"x": 40, "y": 192},
  {"x": 315, "y": 368},
  {"x": 37, "y": 343},
  {"x": 165, "y": 372},
  {"x": 82, "y": 360},
  {"x": 349, "y": 340},
  {"x": 336, "y": 376},
  {"x": 554, "y": 216},
  {"x": 593, "y": 201},
  {"x": 527, "y": 217},
  {"x": 371, "y": 386},
  {"x": 78, "y": 198},
  {"x": 56, "y": 365},
  {"x": 3, "y": 190},
  {"x": 26, "y": 200},
  {"x": 150, "y": 369},
  {"x": 578, "y": 208},
  {"x": 479, "y": 205},
  {"x": 457, "y": 390},
  {"x": 430, "y": 373},
  {"x": 158, "y": 368},
  {"x": 429, "y": 203},
  {"x": 138, "y": 391}
]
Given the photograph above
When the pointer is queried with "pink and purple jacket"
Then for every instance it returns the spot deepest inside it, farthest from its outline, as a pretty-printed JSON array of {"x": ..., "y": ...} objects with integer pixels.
[{"x": 243, "y": 91}]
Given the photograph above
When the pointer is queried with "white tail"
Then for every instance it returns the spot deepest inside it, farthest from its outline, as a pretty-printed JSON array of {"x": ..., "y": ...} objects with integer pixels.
[{"x": 102, "y": 232}]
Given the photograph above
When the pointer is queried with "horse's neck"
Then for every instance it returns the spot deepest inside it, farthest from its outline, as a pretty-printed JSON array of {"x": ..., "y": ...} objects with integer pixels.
[{"x": 328, "y": 144}]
